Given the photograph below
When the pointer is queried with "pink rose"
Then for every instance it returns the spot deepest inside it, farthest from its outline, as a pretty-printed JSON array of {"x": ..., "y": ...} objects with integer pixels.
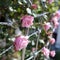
[
  {"x": 50, "y": 1},
  {"x": 47, "y": 26},
  {"x": 34, "y": 6},
  {"x": 56, "y": 24},
  {"x": 45, "y": 51},
  {"x": 57, "y": 14},
  {"x": 20, "y": 42},
  {"x": 27, "y": 21},
  {"x": 52, "y": 53},
  {"x": 52, "y": 40},
  {"x": 55, "y": 21}
]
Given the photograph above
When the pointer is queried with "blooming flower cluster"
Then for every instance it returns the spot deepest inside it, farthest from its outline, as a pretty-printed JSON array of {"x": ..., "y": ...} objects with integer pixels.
[
  {"x": 55, "y": 19},
  {"x": 22, "y": 41},
  {"x": 27, "y": 21},
  {"x": 47, "y": 52},
  {"x": 42, "y": 30}
]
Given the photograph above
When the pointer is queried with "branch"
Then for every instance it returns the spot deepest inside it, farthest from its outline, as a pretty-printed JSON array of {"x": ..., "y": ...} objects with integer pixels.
[
  {"x": 5, "y": 23},
  {"x": 6, "y": 50},
  {"x": 42, "y": 14},
  {"x": 34, "y": 54}
]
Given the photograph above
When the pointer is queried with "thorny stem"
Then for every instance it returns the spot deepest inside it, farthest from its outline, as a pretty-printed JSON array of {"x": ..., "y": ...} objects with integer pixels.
[{"x": 23, "y": 51}]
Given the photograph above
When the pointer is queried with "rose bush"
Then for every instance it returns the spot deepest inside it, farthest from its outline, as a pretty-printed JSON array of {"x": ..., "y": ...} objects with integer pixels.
[{"x": 35, "y": 18}]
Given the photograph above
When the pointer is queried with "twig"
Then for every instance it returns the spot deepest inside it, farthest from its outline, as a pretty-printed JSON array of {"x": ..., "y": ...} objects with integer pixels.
[
  {"x": 42, "y": 14},
  {"x": 6, "y": 50},
  {"x": 5, "y": 23},
  {"x": 37, "y": 42},
  {"x": 23, "y": 50},
  {"x": 23, "y": 53},
  {"x": 33, "y": 34},
  {"x": 35, "y": 54}
]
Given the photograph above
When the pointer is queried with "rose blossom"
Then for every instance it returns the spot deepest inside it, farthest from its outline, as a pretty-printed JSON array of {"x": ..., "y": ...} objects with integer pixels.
[
  {"x": 34, "y": 6},
  {"x": 27, "y": 21},
  {"x": 20, "y": 42},
  {"x": 56, "y": 24},
  {"x": 52, "y": 53},
  {"x": 52, "y": 40},
  {"x": 57, "y": 14},
  {"x": 45, "y": 51},
  {"x": 47, "y": 26},
  {"x": 55, "y": 21},
  {"x": 50, "y": 1}
]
